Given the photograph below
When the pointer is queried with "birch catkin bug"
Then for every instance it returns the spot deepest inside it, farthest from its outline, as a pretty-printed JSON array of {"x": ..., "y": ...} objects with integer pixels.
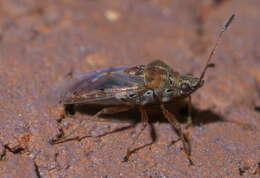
[{"x": 119, "y": 89}]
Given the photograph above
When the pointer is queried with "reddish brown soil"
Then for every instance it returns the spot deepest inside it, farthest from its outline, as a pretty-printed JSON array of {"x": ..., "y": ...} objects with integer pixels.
[{"x": 42, "y": 41}]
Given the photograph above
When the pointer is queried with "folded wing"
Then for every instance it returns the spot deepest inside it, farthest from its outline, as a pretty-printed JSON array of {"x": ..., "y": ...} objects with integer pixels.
[{"x": 101, "y": 86}]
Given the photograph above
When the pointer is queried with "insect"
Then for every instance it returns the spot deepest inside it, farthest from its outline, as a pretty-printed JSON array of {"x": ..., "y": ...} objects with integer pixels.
[{"x": 121, "y": 88}]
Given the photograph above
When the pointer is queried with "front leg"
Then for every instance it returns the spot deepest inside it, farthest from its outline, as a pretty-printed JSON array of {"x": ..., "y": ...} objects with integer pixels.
[
  {"x": 176, "y": 125},
  {"x": 189, "y": 120}
]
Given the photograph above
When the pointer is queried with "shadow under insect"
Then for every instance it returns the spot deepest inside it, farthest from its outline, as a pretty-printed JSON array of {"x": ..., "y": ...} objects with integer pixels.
[{"x": 179, "y": 109}]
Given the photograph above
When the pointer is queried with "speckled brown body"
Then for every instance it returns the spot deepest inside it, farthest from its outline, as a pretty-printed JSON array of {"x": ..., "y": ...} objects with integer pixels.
[{"x": 153, "y": 83}]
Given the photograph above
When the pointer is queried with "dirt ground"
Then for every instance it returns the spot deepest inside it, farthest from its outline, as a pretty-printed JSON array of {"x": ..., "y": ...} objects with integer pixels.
[{"x": 42, "y": 42}]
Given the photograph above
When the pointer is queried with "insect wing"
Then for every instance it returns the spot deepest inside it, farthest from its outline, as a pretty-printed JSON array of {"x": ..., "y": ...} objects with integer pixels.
[{"x": 101, "y": 86}]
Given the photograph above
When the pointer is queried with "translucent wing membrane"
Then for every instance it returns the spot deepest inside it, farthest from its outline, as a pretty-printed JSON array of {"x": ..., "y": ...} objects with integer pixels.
[{"x": 101, "y": 86}]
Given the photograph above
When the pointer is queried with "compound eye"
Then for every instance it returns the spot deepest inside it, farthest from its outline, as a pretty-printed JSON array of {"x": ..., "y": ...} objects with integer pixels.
[{"x": 185, "y": 87}]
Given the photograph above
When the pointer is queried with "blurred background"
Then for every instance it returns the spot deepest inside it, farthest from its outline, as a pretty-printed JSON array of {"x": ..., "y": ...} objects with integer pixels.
[{"x": 41, "y": 42}]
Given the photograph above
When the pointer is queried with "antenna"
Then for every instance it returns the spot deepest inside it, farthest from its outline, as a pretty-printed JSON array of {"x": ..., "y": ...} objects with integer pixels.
[{"x": 225, "y": 27}]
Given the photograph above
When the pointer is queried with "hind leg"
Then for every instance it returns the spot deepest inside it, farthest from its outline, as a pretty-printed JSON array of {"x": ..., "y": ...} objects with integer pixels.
[{"x": 108, "y": 110}]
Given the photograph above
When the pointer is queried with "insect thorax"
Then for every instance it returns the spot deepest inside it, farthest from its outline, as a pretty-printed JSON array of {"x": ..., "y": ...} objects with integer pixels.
[{"x": 168, "y": 84}]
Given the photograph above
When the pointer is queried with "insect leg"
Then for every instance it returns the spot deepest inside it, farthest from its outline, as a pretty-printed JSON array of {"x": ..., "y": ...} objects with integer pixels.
[
  {"x": 144, "y": 120},
  {"x": 109, "y": 110},
  {"x": 176, "y": 125},
  {"x": 189, "y": 122}
]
